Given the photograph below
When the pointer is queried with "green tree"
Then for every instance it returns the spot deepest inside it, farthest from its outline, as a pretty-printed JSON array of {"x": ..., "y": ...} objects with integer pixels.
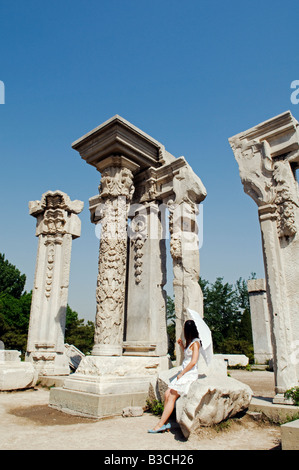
[
  {"x": 221, "y": 311},
  {"x": 14, "y": 320},
  {"x": 12, "y": 282},
  {"x": 245, "y": 328},
  {"x": 227, "y": 312},
  {"x": 15, "y": 313},
  {"x": 77, "y": 332},
  {"x": 170, "y": 315}
]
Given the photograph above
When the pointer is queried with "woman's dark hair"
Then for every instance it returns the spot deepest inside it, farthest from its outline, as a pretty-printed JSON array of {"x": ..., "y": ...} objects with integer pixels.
[{"x": 190, "y": 332}]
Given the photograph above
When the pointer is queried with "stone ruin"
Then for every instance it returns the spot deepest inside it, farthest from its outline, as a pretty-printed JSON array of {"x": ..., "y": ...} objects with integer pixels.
[
  {"x": 144, "y": 194},
  {"x": 142, "y": 185},
  {"x": 57, "y": 224},
  {"x": 268, "y": 157},
  {"x": 140, "y": 182}
]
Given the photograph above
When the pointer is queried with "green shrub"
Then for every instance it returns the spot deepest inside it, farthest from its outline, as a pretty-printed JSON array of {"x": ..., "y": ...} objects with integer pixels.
[
  {"x": 293, "y": 393},
  {"x": 155, "y": 407}
]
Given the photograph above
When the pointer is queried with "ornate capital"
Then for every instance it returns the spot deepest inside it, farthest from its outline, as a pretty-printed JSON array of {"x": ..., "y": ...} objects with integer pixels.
[
  {"x": 256, "y": 169},
  {"x": 56, "y": 214},
  {"x": 55, "y": 200},
  {"x": 115, "y": 182},
  {"x": 270, "y": 183},
  {"x": 265, "y": 154}
]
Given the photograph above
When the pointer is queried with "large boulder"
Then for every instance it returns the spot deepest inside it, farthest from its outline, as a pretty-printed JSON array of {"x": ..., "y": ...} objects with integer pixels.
[{"x": 211, "y": 400}]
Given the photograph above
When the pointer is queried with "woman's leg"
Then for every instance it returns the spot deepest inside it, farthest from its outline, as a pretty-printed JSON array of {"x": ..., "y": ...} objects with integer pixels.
[
  {"x": 166, "y": 395},
  {"x": 170, "y": 398}
]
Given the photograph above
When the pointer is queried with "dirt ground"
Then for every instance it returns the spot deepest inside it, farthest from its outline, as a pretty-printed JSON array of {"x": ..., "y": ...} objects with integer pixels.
[{"x": 27, "y": 423}]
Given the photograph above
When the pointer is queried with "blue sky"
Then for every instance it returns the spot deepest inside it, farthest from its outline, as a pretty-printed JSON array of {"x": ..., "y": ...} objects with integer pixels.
[{"x": 190, "y": 74}]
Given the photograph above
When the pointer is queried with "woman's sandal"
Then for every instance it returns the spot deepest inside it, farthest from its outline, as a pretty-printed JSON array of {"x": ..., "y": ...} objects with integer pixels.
[{"x": 163, "y": 428}]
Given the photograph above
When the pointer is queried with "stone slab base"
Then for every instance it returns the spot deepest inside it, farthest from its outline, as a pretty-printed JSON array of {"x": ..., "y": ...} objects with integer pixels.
[
  {"x": 92, "y": 405},
  {"x": 277, "y": 413},
  {"x": 290, "y": 435}
]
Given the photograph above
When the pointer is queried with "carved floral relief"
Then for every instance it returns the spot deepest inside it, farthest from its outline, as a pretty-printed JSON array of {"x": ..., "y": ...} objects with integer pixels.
[
  {"x": 268, "y": 181},
  {"x": 116, "y": 191}
]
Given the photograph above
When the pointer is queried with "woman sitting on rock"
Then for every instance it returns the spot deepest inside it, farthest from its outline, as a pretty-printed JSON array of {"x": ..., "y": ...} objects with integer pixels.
[{"x": 189, "y": 373}]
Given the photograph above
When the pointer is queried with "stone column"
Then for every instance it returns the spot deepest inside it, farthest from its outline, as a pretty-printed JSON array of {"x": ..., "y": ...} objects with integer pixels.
[
  {"x": 184, "y": 249},
  {"x": 57, "y": 224},
  {"x": 188, "y": 192},
  {"x": 146, "y": 333},
  {"x": 268, "y": 156},
  {"x": 116, "y": 191},
  {"x": 282, "y": 335},
  {"x": 260, "y": 321}
]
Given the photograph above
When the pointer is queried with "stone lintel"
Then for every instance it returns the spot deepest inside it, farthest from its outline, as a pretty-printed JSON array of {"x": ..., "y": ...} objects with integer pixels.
[
  {"x": 165, "y": 180},
  {"x": 164, "y": 173},
  {"x": 119, "y": 137},
  {"x": 280, "y": 132}
]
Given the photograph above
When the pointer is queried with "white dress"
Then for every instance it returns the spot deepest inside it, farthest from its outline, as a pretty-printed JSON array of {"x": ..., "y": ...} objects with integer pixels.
[{"x": 182, "y": 385}]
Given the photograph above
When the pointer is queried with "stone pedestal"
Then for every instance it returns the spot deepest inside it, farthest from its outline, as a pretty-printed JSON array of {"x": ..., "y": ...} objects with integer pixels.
[
  {"x": 260, "y": 321},
  {"x": 103, "y": 386},
  {"x": 57, "y": 224}
]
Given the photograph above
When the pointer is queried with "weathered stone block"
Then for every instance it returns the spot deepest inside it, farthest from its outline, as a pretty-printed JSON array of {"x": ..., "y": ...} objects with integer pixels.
[
  {"x": 290, "y": 435},
  {"x": 132, "y": 411},
  {"x": 17, "y": 375},
  {"x": 235, "y": 359},
  {"x": 211, "y": 400}
]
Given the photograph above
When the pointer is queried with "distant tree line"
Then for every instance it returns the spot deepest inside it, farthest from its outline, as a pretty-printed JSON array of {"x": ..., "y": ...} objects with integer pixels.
[
  {"x": 15, "y": 306},
  {"x": 226, "y": 311}
]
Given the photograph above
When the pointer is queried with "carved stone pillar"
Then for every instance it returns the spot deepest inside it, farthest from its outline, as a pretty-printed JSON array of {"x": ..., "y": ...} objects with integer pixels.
[
  {"x": 57, "y": 224},
  {"x": 184, "y": 249},
  {"x": 116, "y": 191},
  {"x": 282, "y": 335},
  {"x": 188, "y": 192},
  {"x": 268, "y": 156},
  {"x": 146, "y": 307}
]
